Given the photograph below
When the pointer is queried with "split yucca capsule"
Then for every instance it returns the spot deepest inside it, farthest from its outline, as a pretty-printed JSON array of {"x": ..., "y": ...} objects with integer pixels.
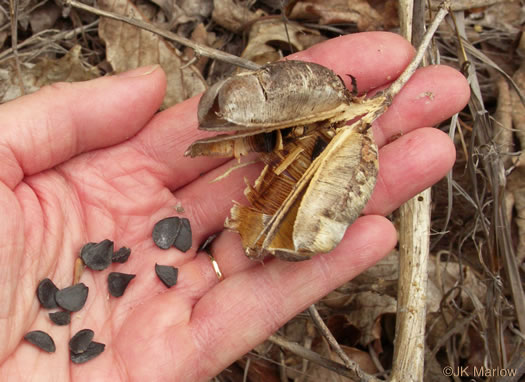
[{"x": 319, "y": 172}]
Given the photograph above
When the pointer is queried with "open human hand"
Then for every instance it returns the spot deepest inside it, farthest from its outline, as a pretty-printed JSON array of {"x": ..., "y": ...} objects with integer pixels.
[{"x": 88, "y": 161}]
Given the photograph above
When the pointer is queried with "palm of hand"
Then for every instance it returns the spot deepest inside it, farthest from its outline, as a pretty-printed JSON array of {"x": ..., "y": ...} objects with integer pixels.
[{"x": 193, "y": 330}]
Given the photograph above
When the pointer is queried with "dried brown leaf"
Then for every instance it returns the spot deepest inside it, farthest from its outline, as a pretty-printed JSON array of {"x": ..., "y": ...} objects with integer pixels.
[
  {"x": 358, "y": 12},
  {"x": 69, "y": 68},
  {"x": 128, "y": 47},
  {"x": 185, "y": 11},
  {"x": 366, "y": 311},
  {"x": 44, "y": 17},
  {"x": 198, "y": 9},
  {"x": 444, "y": 276},
  {"x": 503, "y": 15},
  {"x": 268, "y": 35},
  {"x": 232, "y": 16}
]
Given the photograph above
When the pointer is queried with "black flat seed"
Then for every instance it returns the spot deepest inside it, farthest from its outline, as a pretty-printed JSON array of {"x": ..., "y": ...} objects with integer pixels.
[
  {"x": 118, "y": 282},
  {"x": 46, "y": 292},
  {"x": 121, "y": 256},
  {"x": 167, "y": 274},
  {"x": 42, "y": 340},
  {"x": 206, "y": 245},
  {"x": 93, "y": 350},
  {"x": 183, "y": 240},
  {"x": 166, "y": 231},
  {"x": 60, "y": 318},
  {"x": 97, "y": 256},
  {"x": 72, "y": 298},
  {"x": 79, "y": 343}
]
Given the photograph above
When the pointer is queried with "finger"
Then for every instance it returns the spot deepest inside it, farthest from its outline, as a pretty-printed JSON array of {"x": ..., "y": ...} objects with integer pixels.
[
  {"x": 408, "y": 165},
  {"x": 374, "y": 58},
  {"x": 431, "y": 96},
  {"x": 249, "y": 306},
  {"x": 59, "y": 121}
]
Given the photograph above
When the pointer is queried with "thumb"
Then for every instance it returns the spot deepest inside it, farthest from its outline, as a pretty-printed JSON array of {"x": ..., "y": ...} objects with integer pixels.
[{"x": 62, "y": 120}]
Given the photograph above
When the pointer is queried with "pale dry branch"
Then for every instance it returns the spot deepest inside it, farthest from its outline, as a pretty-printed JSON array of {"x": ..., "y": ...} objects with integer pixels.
[{"x": 409, "y": 343}]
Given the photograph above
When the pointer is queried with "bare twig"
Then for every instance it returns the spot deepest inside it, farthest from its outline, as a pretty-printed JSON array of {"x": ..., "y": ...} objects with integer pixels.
[
  {"x": 38, "y": 38},
  {"x": 318, "y": 321},
  {"x": 199, "y": 49},
  {"x": 322, "y": 361}
]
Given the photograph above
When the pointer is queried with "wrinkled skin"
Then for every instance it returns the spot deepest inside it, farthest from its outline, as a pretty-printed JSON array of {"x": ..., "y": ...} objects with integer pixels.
[{"x": 88, "y": 161}]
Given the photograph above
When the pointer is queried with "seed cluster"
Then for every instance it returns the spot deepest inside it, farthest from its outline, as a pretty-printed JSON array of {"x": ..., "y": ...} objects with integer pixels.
[
  {"x": 82, "y": 348},
  {"x": 173, "y": 231}
]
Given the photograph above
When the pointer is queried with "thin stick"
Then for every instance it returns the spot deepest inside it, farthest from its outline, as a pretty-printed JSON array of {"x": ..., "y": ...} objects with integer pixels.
[
  {"x": 322, "y": 361},
  {"x": 199, "y": 49},
  {"x": 318, "y": 321},
  {"x": 38, "y": 38}
]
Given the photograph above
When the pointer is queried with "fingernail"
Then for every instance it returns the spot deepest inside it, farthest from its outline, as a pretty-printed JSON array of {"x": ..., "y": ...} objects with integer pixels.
[{"x": 142, "y": 71}]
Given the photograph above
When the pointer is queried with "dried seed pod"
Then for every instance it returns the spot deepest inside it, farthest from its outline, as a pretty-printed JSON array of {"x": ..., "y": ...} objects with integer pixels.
[
  {"x": 121, "y": 256},
  {"x": 60, "y": 318},
  {"x": 46, "y": 292},
  {"x": 97, "y": 256},
  {"x": 42, "y": 340},
  {"x": 80, "y": 341},
  {"x": 72, "y": 298},
  {"x": 319, "y": 174},
  {"x": 183, "y": 240},
  {"x": 305, "y": 211},
  {"x": 167, "y": 274},
  {"x": 281, "y": 94},
  {"x": 166, "y": 231},
  {"x": 93, "y": 350},
  {"x": 118, "y": 282},
  {"x": 286, "y": 94}
]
